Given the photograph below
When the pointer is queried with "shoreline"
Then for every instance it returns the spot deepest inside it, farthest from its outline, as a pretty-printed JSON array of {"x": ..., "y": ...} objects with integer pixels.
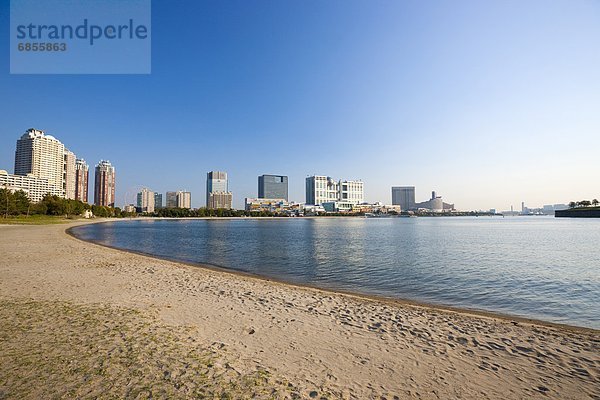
[
  {"x": 85, "y": 320},
  {"x": 370, "y": 297}
]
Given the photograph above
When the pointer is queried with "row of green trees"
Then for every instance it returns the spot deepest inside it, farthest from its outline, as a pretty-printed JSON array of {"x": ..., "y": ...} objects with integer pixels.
[
  {"x": 207, "y": 212},
  {"x": 17, "y": 203},
  {"x": 584, "y": 203}
]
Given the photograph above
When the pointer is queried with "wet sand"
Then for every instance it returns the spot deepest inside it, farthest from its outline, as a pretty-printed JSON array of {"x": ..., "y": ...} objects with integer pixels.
[{"x": 83, "y": 320}]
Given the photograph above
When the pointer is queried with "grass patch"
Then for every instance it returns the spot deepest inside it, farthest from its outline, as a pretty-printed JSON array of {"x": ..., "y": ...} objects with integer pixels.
[{"x": 53, "y": 349}]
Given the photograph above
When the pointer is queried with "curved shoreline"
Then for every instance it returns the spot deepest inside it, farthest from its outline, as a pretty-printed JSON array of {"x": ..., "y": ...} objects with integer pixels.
[{"x": 359, "y": 296}]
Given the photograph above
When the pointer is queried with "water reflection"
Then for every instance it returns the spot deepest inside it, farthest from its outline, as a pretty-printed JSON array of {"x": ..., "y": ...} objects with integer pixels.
[{"x": 540, "y": 268}]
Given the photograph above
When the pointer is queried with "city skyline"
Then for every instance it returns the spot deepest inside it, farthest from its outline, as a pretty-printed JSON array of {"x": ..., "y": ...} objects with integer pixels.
[
  {"x": 479, "y": 102},
  {"x": 74, "y": 183}
]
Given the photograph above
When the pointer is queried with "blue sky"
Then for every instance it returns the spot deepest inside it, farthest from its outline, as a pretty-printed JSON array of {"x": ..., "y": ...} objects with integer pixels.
[{"x": 488, "y": 103}]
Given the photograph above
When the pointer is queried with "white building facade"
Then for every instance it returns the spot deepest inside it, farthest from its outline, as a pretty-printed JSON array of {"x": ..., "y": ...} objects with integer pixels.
[
  {"x": 323, "y": 189},
  {"x": 42, "y": 156},
  {"x": 35, "y": 188}
]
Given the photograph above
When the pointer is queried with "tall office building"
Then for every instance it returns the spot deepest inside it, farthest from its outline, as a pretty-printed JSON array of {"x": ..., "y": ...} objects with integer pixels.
[
  {"x": 81, "y": 180},
  {"x": 403, "y": 196},
  {"x": 184, "y": 200},
  {"x": 158, "y": 200},
  {"x": 171, "y": 200},
  {"x": 323, "y": 189},
  {"x": 217, "y": 190},
  {"x": 273, "y": 187},
  {"x": 145, "y": 200},
  {"x": 69, "y": 175},
  {"x": 41, "y": 156},
  {"x": 104, "y": 184}
]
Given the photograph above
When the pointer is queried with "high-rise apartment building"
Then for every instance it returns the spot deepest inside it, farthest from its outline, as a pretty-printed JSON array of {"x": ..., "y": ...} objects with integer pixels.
[
  {"x": 158, "y": 201},
  {"x": 273, "y": 187},
  {"x": 41, "y": 156},
  {"x": 179, "y": 199},
  {"x": 217, "y": 190},
  {"x": 184, "y": 200},
  {"x": 145, "y": 200},
  {"x": 104, "y": 184},
  {"x": 323, "y": 189},
  {"x": 403, "y": 196},
  {"x": 81, "y": 180},
  {"x": 69, "y": 175}
]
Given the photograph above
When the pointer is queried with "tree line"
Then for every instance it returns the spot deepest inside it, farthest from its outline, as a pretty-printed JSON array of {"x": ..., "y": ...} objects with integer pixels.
[
  {"x": 208, "y": 212},
  {"x": 17, "y": 203},
  {"x": 584, "y": 203}
]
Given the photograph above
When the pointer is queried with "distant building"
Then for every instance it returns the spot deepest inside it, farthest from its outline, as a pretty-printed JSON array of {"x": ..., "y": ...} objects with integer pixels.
[
  {"x": 277, "y": 206},
  {"x": 217, "y": 190},
  {"x": 41, "y": 156},
  {"x": 435, "y": 204},
  {"x": 104, "y": 184},
  {"x": 145, "y": 201},
  {"x": 69, "y": 176},
  {"x": 171, "y": 201},
  {"x": 273, "y": 187},
  {"x": 404, "y": 196},
  {"x": 179, "y": 199},
  {"x": 220, "y": 200},
  {"x": 81, "y": 180},
  {"x": 322, "y": 189},
  {"x": 35, "y": 188},
  {"x": 158, "y": 201},
  {"x": 184, "y": 199},
  {"x": 130, "y": 208}
]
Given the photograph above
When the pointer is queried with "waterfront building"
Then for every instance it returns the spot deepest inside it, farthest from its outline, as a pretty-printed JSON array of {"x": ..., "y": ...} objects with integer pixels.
[
  {"x": 104, "y": 184},
  {"x": 338, "y": 206},
  {"x": 273, "y": 187},
  {"x": 435, "y": 204},
  {"x": 81, "y": 180},
  {"x": 35, "y": 188},
  {"x": 145, "y": 201},
  {"x": 219, "y": 200},
  {"x": 324, "y": 189},
  {"x": 130, "y": 208},
  {"x": 217, "y": 190},
  {"x": 41, "y": 156},
  {"x": 278, "y": 206},
  {"x": 404, "y": 196},
  {"x": 184, "y": 200},
  {"x": 171, "y": 200},
  {"x": 69, "y": 174},
  {"x": 157, "y": 200},
  {"x": 179, "y": 199}
]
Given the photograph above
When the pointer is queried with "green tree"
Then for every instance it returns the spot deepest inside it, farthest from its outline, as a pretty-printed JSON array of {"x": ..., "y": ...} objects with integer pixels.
[
  {"x": 585, "y": 203},
  {"x": 595, "y": 202},
  {"x": 572, "y": 204}
]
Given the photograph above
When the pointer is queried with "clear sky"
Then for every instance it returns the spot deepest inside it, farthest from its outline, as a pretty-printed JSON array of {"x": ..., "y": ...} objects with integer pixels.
[{"x": 489, "y": 103}]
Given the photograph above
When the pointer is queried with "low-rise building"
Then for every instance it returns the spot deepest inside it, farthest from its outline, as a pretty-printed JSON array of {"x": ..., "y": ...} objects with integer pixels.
[
  {"x": 35, "y": 188},
  {"x": 322, "y": 189}
]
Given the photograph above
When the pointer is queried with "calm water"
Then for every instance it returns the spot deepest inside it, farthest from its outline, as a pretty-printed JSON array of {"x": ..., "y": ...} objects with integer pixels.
[{"x": 538, "y": 267}]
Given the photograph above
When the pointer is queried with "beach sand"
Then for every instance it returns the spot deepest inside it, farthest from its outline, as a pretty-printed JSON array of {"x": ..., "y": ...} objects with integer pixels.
[{"x": 78, "y": 320}]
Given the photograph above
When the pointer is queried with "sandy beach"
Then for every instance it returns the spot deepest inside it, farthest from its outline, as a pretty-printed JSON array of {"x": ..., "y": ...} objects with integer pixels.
[{"x": 80, "y": 320}]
